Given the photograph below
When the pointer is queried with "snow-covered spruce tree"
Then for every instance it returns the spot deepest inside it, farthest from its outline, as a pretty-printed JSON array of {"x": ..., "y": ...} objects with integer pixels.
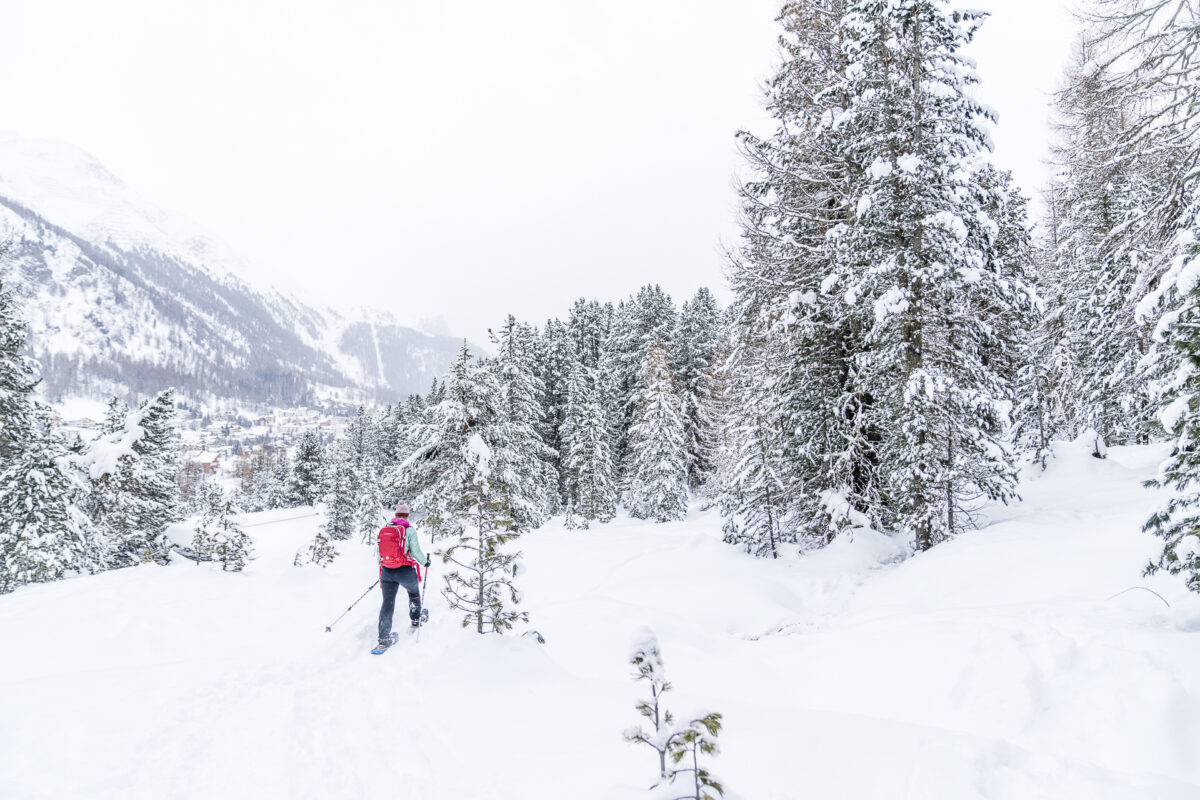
[
  {"x": 695, "y": 343},
  {"x": 1178, "y": 522},
  {"x": 924, "y": 241},
  {"x": 672, "y": 743},
  {"x": 587, "y": 460},
  {"x": 217, "y": 536},
  {"x": 795, "y": 336},
  {"x": 657, "y": 464},
  {"x": 17, "y": 378},
  {"x": 753, "y": 494},
  {"x": 276, "y": 489},
  {"x": 40, "y": 535},
  {"x": 1046, "y": 409},
  {"x": 647, "y": 317},
  {"x": 362, "y": 448},
  {"x": 341, "y": 498},
  {"x": 306, "y": 471},
  {"x": 531, "y": 485},
  {"x": 438, "y": 468},
  {"x": 589, "y": 326},
  {"x": 556, "y": 362},
  {"x": 133, "y": 494}
]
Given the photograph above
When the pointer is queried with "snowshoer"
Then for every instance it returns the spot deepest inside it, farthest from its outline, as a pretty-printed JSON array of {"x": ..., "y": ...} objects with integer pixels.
[{"x": 400, "y": 562}]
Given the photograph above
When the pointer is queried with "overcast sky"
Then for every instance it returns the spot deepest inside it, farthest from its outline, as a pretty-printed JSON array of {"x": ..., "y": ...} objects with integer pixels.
[{"x": 460, "y": 159}]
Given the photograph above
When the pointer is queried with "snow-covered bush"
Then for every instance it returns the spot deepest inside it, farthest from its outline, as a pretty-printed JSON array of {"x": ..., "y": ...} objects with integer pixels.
[{"x": 217, "y": 536}]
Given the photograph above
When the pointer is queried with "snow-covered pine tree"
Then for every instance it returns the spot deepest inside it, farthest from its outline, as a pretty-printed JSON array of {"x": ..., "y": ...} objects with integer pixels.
[
  {"x": 589, "y": 326},
  {"x": 480, "y": 582},
  {"x": 587, "y": 461},
  {"x": 306, "y": 471},
  {"x": 115, "y": 415},
  {"x": 370, "y": 494},
  {"x": 647, "y": 660},
  {"x": 341, "y": 497},
  {"x": 556, "y": 361},
  {"x": 217, "y": 535},
  {"x": 530, "y": 484},
  {"x": 696, "y": 340},
  {"x": 40, "y": 535},
  {"x": 674, "y": 744},
  {"x": 438, "y": 469},
  {"x": 18, "y": 378},
  {"x": 924, "y": 240},
  {"x": 697, "y": 738},
  {"x": 657, "y": 463},
  {"x": 647, "y": 317},
  {"x": 795, "y": 336},
  {"x": 133, "y": 494},
  {"x": 753, "y": 495},
  {"x": 1178, "y": 522},
  {"x": 276, "y": 489},
  {"x": 321, "y": 552}
]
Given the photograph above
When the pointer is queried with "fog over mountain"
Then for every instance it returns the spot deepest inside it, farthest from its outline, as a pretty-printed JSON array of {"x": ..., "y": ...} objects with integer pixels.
[{"x": 122, "y": 296}]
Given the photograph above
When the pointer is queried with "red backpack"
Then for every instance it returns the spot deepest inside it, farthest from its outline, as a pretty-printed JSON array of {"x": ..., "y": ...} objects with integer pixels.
[{"x": 392, "y": 550}]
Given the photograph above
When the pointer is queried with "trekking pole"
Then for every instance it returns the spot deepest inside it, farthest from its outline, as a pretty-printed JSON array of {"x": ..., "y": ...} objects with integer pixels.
[
  {"x": 329, "y": 627},
  {"x": 424, "y": 583}
]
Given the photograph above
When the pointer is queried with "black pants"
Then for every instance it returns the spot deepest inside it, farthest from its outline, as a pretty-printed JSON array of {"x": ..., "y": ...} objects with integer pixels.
[{"x": 390, "y": 581}]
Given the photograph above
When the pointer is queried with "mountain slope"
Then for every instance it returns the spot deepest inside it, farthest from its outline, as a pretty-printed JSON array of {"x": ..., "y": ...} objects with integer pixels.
[
  {"x": 122, "y": 295},
  {"x": 1003, "y": 665}
]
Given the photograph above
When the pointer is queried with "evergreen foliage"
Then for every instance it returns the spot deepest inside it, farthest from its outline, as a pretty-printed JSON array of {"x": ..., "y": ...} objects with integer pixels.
[
  {"x": 696, "y": 343},
  {"x": 306, "y": 471},
  {"x": 18, "y": 378},
  {"x": 647, "y": 317},
  {"x": 40, "y": 536},
  {"x": 480, "y": 582},
  {"x": 673, "y": 744},
  {"x": 133, "y": 494},
  {"x": 587, "y": 461},
  {"x": 341, "y": 498},
  {"x": 1178, "y": 522},
  {"x": 530, "y": 485},
  {"x": 217, "y": 535},
  {"x": 657, "y": 482}
]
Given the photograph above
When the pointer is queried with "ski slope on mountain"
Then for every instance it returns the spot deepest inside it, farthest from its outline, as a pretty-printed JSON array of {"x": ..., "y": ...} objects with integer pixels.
[{"x": 998, "y": 665}]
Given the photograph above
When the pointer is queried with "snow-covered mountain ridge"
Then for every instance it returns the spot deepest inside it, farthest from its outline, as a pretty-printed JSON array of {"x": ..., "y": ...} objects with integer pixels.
[{"x": 122, "y": 295}]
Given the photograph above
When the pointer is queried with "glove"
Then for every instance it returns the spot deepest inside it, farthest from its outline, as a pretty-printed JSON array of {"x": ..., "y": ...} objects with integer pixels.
[{"x": 428, "y": 561}]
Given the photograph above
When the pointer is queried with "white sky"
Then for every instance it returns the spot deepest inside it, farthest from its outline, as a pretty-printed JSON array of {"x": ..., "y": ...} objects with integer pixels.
[{"x": 459, "y": 159}]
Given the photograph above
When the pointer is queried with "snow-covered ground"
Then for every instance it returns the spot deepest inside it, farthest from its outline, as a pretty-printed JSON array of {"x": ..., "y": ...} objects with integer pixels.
[{"x": 999, "y": 665}]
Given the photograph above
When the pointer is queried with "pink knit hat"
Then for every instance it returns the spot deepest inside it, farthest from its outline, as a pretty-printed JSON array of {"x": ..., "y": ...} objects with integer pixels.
[{"x": 402, "y": 509}]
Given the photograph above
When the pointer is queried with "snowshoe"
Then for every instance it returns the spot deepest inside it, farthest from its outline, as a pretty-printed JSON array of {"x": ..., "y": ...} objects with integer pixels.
[{"x": 382, "y": 647}]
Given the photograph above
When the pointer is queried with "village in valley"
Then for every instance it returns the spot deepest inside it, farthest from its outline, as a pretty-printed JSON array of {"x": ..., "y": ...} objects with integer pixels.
[{"x": 227, "y": 444}]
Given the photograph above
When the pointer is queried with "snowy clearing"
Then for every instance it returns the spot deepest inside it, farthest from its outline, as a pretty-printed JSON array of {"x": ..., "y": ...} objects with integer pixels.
[{"x": 993, "y": 666}]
